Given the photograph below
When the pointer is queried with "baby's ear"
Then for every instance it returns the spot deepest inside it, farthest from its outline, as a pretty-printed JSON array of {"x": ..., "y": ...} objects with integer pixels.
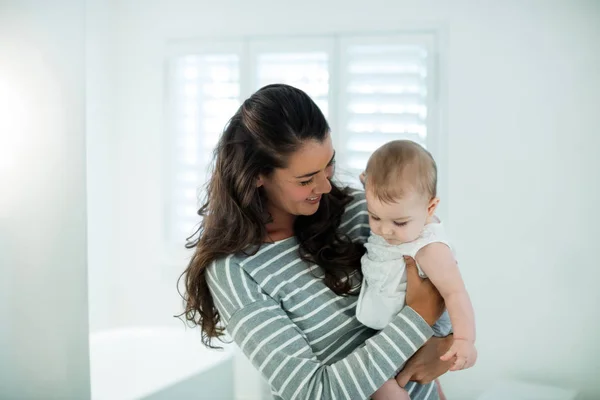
[
  {"x": 433, "y": 203},
  {"x": 363, "y": 178}
]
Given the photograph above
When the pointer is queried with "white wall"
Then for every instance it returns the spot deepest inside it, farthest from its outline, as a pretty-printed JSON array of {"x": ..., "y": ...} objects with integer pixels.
[
  {"x": 101, "y": 170},
  {"x": 43, "y": 277},
  {"x": 521, "y": 89}
]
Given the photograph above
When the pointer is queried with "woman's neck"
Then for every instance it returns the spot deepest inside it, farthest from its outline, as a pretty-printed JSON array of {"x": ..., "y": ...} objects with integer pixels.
[{"x": 281, "y": 227}]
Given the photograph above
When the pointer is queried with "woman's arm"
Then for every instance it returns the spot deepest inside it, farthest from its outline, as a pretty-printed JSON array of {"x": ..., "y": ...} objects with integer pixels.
[
  {"x": 425, "y": 366},
  {"x": 421, "y": 294},
  {"x": 280, "y": 351}
]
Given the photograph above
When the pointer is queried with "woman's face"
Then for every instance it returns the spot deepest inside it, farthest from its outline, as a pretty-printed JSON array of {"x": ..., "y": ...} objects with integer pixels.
[{"x": 298, "y": 188}]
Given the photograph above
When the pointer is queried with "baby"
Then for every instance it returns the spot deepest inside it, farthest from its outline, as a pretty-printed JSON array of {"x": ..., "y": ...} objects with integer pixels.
[{"x": 400, "y": 183}]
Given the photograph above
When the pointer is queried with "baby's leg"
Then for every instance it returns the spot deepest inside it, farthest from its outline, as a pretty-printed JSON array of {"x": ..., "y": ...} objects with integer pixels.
[{"x": 390, "y": 391}]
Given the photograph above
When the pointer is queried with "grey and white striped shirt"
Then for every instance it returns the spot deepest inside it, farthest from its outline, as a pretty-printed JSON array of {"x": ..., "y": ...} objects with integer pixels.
[{"x": 302, "y": 337}]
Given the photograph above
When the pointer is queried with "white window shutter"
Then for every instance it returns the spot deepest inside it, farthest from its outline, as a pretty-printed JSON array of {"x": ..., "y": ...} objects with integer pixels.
[
  {"x": 204, "y": 94},
  {"x": 308, "y": 71},
  {"x": 372, "y": 89},
  {"x": 305, "y": 64},
  {"x": 383, "y": 96}
]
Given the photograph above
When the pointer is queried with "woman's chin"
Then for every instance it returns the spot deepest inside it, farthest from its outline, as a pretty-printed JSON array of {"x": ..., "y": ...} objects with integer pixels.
[{"x": 309, "y": 208}]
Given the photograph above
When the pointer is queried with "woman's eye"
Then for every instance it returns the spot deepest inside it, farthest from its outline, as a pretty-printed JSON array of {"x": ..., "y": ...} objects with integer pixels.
[
  {"x": 308, "y": 182},
  {"x": 401, "y": 223}
]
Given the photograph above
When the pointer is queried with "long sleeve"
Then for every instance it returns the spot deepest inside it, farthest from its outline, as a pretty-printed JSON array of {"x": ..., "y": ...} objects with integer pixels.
[{"x": 281, "y": 352}]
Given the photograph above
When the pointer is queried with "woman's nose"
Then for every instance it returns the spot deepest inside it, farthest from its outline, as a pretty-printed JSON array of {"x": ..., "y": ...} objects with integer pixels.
[{"x": 323, "y": 184}]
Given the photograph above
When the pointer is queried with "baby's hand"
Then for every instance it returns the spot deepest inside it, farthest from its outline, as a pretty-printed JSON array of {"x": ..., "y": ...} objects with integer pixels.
[{"x": 465, "y": 352}]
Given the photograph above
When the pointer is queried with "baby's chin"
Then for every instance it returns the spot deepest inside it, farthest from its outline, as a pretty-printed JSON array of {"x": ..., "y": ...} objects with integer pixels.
[
  {"x": 393, "y": 241},
  {"x": 396, "y": 241}
]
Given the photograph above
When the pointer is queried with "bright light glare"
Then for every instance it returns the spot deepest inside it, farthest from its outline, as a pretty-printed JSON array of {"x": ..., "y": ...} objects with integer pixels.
[{"x": 13, "y": 117}]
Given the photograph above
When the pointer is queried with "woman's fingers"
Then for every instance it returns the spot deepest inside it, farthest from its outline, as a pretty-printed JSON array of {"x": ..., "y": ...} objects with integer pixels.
[
  {"x": 403, "y": 377},
  {"x": 412, "y": 273}
]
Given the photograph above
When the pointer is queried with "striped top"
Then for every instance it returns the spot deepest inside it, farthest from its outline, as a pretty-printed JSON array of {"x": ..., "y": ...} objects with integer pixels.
[{"x": 302, "y": 337}]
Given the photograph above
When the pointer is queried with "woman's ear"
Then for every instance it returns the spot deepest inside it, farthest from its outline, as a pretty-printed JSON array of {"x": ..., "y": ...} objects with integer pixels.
[
  {"x": 433, "y": 203},
  {"x": 259, "y": 181}
]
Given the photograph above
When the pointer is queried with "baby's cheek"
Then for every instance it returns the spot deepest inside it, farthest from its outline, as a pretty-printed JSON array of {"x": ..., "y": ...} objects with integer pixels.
[
  {"x": 404, "y": 236},
  {"x": 415, "y": 231},
  {"x": 374, "y": 227},
  {"x": 411, "y": 233}
]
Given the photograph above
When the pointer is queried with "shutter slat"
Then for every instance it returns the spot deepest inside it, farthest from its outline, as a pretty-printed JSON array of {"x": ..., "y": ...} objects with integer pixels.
[
  {"x": 373, "y": 50},
  {"x": 369, "y": 142},
  {"x": 411, "y": 82},
  {"x": 387, "y": 98},
  {"x": 380, "y": 119}
]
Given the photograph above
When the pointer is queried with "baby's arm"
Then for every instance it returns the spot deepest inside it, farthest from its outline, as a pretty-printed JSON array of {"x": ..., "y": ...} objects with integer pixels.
[{"x": 437, "y": 261}]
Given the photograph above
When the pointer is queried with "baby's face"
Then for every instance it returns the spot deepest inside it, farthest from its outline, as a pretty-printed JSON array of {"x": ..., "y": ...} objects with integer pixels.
[{"x": 401, "y": 221}]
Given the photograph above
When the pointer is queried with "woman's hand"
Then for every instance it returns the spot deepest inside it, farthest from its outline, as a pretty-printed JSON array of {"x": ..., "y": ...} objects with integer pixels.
[
  {"x": 421, "y": 294},
  {"x": 425, "y": 365}
]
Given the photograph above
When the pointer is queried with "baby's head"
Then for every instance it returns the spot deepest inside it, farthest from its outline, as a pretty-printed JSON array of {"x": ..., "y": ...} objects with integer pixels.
[{"x": 400, "y": 184}]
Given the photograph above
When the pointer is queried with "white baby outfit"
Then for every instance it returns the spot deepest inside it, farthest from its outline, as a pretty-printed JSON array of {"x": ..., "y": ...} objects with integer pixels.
[{"x": 384, "y": 278}]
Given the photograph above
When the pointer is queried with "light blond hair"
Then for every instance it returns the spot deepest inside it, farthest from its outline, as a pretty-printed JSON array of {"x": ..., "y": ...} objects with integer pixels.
[{"x": 398, "y": 167}]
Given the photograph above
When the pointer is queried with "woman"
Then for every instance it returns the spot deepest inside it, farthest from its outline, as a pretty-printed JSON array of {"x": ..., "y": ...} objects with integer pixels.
[{"x": 277, "y": 263}]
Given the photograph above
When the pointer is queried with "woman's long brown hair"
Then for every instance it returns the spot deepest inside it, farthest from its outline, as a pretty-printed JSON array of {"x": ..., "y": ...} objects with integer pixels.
[{"x": 267, "y": 128}]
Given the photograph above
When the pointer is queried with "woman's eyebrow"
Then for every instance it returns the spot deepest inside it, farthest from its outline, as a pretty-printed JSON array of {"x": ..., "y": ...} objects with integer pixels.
[{"x": 316, "y": 172}]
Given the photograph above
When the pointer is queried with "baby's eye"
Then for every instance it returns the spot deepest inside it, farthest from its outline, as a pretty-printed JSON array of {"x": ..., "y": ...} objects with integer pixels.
[
  {"x": 374, "y": 218},
  {"x": 401, "y": 223}
]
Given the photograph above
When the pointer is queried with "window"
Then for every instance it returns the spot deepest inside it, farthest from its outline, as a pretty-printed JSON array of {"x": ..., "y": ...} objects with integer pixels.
[
  {"x": 204, "y": 93},
  {"x": 372, "y": 89},
  {"x": 385, "y": 91},
  {"x": 303, "y": 63}
]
